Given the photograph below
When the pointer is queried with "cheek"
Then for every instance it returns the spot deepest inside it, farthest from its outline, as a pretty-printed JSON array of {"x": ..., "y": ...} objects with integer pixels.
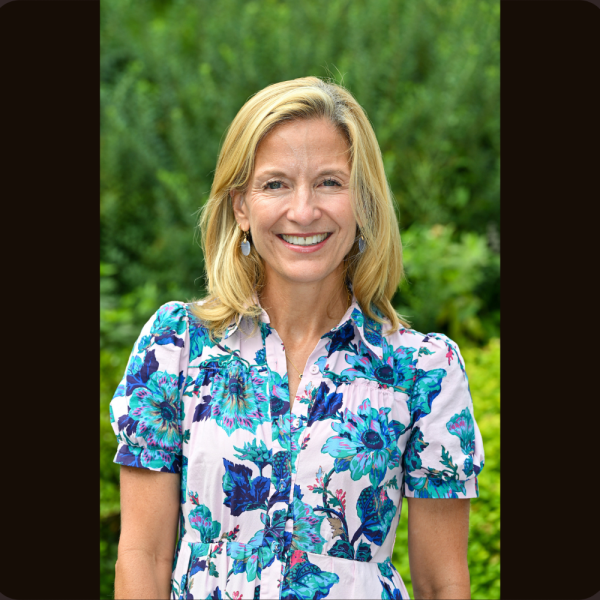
[
  {"x": 261, "y": 214},
  {"x": 348, "y": 223}
]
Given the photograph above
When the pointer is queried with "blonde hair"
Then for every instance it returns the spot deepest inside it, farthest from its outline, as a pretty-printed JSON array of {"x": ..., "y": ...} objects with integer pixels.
[{"x": 233, "y": 278}]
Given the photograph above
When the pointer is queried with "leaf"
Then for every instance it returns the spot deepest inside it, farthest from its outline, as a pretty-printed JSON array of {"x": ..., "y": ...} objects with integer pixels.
[
  {"x": 342, "y": 464},
  {"x": 150, "y": 366},
  {"x": 415, "y": 445},
  {"x": 212, "y": 570},
  {"x": 203, "y": 410},
  {"x": 134, "y": 376},
  {"x": 336, "y": 526},
  {"x": 363, "y": 553},
  {"x": 243, "y": 493},
  {"x": 168, "y": 338},
  {"x": 427, "y": 387},
  {"x": 259, "y": 454},
  {"x": 446, "y": 460},
  {"x": 306, "y": 580},
  {"x": 144, "y": 343},
  {"x": 333, "y": 501},
  {"x": 125, "y": 422},
  {"x": 398, "y": 428},
  {"x": 376, "y": 512},
  {"x": 129, "y": 458},
  {"x": 342, "y": 549},
  {"x": 325, "y": 406},
  {"x": 392, "y": 483},
  {"x": 197, "y": 566}
]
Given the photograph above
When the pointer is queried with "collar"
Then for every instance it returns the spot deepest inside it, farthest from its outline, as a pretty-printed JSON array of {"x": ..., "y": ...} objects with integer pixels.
[{"x": 370, "y": 331}]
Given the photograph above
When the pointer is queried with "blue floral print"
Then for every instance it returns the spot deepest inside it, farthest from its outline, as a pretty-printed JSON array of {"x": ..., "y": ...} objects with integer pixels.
[
  {"x": 201, "y": 519},
  {"x": 306, "y": 580},
  {"x": 239, "y": 400},
  {"x": 366, "y": 443},
  {"x": 277, "y": 501},
  {"x": 461, "y": 425},
  {"x": 389, "y": 591}
]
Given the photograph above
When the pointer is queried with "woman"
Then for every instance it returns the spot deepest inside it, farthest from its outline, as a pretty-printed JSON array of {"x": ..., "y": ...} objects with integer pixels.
[{"x": 279, "y": 422}]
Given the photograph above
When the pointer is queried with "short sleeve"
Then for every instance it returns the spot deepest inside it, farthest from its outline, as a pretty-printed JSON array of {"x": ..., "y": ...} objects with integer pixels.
[
  {"x": 444, "y": 453},
  {"x": 147, "y": 409}
]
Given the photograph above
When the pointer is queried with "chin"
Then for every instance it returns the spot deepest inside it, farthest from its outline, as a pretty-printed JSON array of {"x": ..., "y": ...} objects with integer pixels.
[{"x": 308, "y": 276}]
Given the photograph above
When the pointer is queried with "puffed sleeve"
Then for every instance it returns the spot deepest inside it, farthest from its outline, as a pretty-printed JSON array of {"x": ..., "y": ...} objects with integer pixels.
[
  {"x": 444, "y": 453},
  {"x": 147, "y": 409}
]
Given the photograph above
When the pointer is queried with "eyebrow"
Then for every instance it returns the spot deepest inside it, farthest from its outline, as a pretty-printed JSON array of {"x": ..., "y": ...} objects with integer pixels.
[{"x": 325, "y": 172}]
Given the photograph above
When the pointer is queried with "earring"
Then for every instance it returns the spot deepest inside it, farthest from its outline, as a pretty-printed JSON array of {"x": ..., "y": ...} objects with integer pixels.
[
  {"x": 245, "y": 245},
  {"x": 361, "y": 243}
]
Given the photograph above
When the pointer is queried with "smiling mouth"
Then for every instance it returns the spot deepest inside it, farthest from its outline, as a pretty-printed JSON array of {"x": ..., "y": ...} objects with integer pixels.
[{"x": 311, "y": 240}]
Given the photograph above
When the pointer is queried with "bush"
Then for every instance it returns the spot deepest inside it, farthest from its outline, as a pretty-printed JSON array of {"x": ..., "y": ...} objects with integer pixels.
[{"x": 444, "y": 272}]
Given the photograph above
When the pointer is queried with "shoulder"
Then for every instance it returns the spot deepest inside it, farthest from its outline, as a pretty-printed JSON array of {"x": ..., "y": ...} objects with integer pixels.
[
  {"x": 171, "y": 319},
  {"x": 423, "y": 360},
  {"x": 178, "y": 316},
  {"x": 199, "y": 331},
  {"x": 435, "y": 345},
  {"x": 173, "y": 313}
]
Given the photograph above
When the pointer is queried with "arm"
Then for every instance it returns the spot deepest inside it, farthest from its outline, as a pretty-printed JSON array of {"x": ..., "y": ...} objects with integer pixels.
[
  {"x": 149, "y": 514},
  {"x": 438, "y": 535}
]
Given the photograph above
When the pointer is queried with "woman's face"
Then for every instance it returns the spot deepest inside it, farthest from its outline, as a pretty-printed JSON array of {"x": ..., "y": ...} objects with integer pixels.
[{"x": 297, "y": 205}]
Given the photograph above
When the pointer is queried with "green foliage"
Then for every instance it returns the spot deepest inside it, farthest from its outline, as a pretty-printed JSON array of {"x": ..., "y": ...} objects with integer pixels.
[
  {"x": 483, "y": 369},
  {"x": 444, "y": 274},
  {"x": 173, "y": 76}
]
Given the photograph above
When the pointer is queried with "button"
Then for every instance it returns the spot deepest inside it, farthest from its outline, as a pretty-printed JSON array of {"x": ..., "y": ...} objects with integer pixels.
[
  {"x": 282, "y": 485},
  {"x": 275, "y": 547},
  {"x": 314, "y": 369}
]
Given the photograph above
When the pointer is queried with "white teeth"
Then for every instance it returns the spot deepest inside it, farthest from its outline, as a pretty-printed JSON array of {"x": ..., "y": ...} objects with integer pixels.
[{"x": 304, "y": 241}]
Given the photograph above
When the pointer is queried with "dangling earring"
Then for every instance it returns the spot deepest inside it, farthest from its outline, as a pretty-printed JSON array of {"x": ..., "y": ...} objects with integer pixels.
[
  {"x": 245, "y": 245},
  {"x": 361, "y": 243}
]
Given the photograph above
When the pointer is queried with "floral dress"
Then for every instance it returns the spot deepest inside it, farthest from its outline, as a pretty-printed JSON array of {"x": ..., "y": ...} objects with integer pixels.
[{"x": 300, "y": 503}]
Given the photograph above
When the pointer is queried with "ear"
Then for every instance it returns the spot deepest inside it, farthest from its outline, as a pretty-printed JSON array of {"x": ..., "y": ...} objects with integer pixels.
[{"x": 240, "y": 209}]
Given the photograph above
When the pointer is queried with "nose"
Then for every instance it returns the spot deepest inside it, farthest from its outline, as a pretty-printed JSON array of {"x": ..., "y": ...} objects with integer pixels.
[{"x": 303, "y": 208}]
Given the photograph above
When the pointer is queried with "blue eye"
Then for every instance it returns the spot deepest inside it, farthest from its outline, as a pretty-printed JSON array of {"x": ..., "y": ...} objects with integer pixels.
[
  {"x": 330, "y": 183},
  {"x": 273, "y": 185}
]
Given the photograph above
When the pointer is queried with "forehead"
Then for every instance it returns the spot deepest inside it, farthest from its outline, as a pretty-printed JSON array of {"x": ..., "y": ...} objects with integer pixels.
[{"x": 307, "y": 142}]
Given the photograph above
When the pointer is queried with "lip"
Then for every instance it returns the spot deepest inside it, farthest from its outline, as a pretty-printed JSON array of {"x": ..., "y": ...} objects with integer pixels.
[{"x": 304, "y": 249}]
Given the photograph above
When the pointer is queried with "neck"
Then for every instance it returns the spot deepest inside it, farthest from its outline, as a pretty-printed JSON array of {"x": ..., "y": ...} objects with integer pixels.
[{"x": 303, "y": 312}]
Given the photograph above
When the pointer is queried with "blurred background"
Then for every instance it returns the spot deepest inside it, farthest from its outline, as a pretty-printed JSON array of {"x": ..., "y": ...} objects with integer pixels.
[{"x": 174, "y": 74}]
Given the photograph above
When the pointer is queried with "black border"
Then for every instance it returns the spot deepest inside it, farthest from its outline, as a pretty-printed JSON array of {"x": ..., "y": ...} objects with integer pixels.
[
  {"x": 550, "y": 127},
  {"x": 49, "y": 189}
]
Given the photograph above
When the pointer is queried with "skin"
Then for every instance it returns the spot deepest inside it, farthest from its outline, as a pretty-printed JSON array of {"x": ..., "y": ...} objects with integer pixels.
[
  {"x": 438, "y": 536},
  {"x": 149, "y": 514},
  {"x": 300, "y": 186}
]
